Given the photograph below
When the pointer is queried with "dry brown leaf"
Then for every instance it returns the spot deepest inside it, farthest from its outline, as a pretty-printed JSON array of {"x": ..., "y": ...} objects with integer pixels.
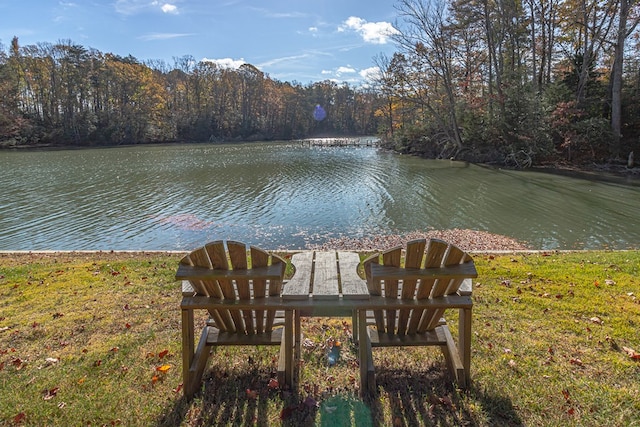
[{"x": 632, "y": 353}]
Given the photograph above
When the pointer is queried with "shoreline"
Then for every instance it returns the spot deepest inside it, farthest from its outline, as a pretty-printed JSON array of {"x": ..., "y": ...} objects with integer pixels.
[{"x": 467, "y": 240}]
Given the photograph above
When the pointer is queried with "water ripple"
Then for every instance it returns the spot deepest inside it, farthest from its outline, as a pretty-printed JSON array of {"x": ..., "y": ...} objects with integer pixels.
[{"x": 282, "y": 195}]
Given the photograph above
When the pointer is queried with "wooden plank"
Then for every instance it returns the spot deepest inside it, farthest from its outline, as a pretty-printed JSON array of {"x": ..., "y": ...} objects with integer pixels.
[
  {"x": 259, "y": 258},
  {"x": 460, "y": 271},
  {"x": 391, "y": 258},
  {"x": 297, "y": 288},
  {"x": 325, "y": 276},
  {"x": 413, "y": 259},
  {"x": 188, "y": 272},
  {"x": 429, "y": 338},
  {"x": 340, "y": 305},
  {"x": 218, "y": 338},
  {"x": 353, "y": 287}
]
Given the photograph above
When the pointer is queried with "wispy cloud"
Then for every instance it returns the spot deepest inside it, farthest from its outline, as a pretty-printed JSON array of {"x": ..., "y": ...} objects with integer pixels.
[
  {"x": 131, "y": 7},
  {"x": 164, "y": 36},
  {"x": 284, "y": 59},
  {"x": 371, "y": 32},
  {"x": 286, "y": 14}
]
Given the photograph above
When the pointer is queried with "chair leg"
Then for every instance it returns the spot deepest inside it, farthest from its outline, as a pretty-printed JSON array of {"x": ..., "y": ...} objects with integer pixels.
[
  {"x": 298, "y": 335},
  {"x": 187, "y": 351},
  {"x": 367, "y": 373},
  {"x": 464, "y": 342},
  {"x": 451, "y": 355},
  {"x": 289, "y": 344},
  {"x": 198, "y": 363},
  {"x": 354, "y": 326}
]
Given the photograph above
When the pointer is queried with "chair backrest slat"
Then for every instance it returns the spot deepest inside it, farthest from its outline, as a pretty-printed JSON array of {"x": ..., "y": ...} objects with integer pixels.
[
  {"x": 391, "y": 257},
  {"x": 259, "y": 258},
  {"x": 413, "y": 259}
]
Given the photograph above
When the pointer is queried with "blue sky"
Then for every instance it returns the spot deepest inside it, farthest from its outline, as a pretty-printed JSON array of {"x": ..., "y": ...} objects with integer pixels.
[{"x": 304, "y": 41}]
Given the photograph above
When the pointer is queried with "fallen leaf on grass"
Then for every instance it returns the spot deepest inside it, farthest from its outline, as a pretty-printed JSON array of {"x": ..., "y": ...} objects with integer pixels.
[
  {"x": 163, "y": 353},
  {"x": 576, "y": 361},
  {"x": 597, "y": 320},
  {"x": 19, "y": 418},
  {"x": 163, "y": 368},
  {"x": 50, "y": 394},
  {"x": 632, "y": 353},
  {"x": 17, "y": 363}
]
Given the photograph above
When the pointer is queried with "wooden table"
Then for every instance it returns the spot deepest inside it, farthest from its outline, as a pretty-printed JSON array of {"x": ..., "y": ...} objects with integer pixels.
[{"x": 326, "y": 283}]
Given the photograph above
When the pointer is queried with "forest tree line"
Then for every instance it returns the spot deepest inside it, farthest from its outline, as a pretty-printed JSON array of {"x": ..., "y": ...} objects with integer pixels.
[
  {"x": 517, "y": 82},
  {"x": 66, "y": 94},
  {"x": 514, "y": 82}
]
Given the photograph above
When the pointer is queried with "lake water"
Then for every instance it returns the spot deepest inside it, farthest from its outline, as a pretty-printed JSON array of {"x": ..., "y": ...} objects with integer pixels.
[{"x": 285, "y": 195}]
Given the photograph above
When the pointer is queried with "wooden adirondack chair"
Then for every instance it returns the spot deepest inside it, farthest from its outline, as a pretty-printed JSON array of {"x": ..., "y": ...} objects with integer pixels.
[
  {"x": 442, "y": 281},
  {"x": 218, "y": 278}
]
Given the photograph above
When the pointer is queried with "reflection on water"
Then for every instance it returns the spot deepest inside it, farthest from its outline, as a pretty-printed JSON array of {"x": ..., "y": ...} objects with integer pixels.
[{"x": 284, "y": 195}]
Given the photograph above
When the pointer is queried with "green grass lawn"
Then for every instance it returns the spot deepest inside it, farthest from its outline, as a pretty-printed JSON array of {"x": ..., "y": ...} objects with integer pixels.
[{"x": 94, "y": 339}]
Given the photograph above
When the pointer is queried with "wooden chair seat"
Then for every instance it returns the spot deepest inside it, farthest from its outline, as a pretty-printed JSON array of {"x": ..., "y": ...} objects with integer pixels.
[
  {"x": 437, "y": 274},
  {"x": 220, "y": 272}
]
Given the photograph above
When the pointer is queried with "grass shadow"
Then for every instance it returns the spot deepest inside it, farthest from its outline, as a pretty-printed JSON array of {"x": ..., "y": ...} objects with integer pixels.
[
  {"x": 427, "y": 397},
  {"x": 227, "y": 397}
]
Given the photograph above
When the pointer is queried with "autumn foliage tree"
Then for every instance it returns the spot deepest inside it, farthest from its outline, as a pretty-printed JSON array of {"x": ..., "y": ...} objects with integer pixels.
[
  {"x": 515, "y": 82},
  {"x": 66, "y": 94}
]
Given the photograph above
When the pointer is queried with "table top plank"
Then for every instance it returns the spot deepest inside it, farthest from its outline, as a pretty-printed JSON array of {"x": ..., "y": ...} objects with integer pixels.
[
  {"x": 298, "y": 287},
  {"x": 325, "y": 276},
  {"x": 353, "y": 287}
]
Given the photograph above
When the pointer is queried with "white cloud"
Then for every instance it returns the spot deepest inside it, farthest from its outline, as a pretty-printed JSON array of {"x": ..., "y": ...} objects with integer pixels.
[
  {"x": 371, "y": 32},
  {"x": 226, "y": 62},
  {"x": 131, "y": 7},
  {"x": 163, "y": 36},
  {"x": 313, "y": 29},
  {"x": 326, "y": 72},
  {"x": 345, "y": 70},
  {"x": 370, "y": 73},
  {"x": 169, "y": 8}
]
